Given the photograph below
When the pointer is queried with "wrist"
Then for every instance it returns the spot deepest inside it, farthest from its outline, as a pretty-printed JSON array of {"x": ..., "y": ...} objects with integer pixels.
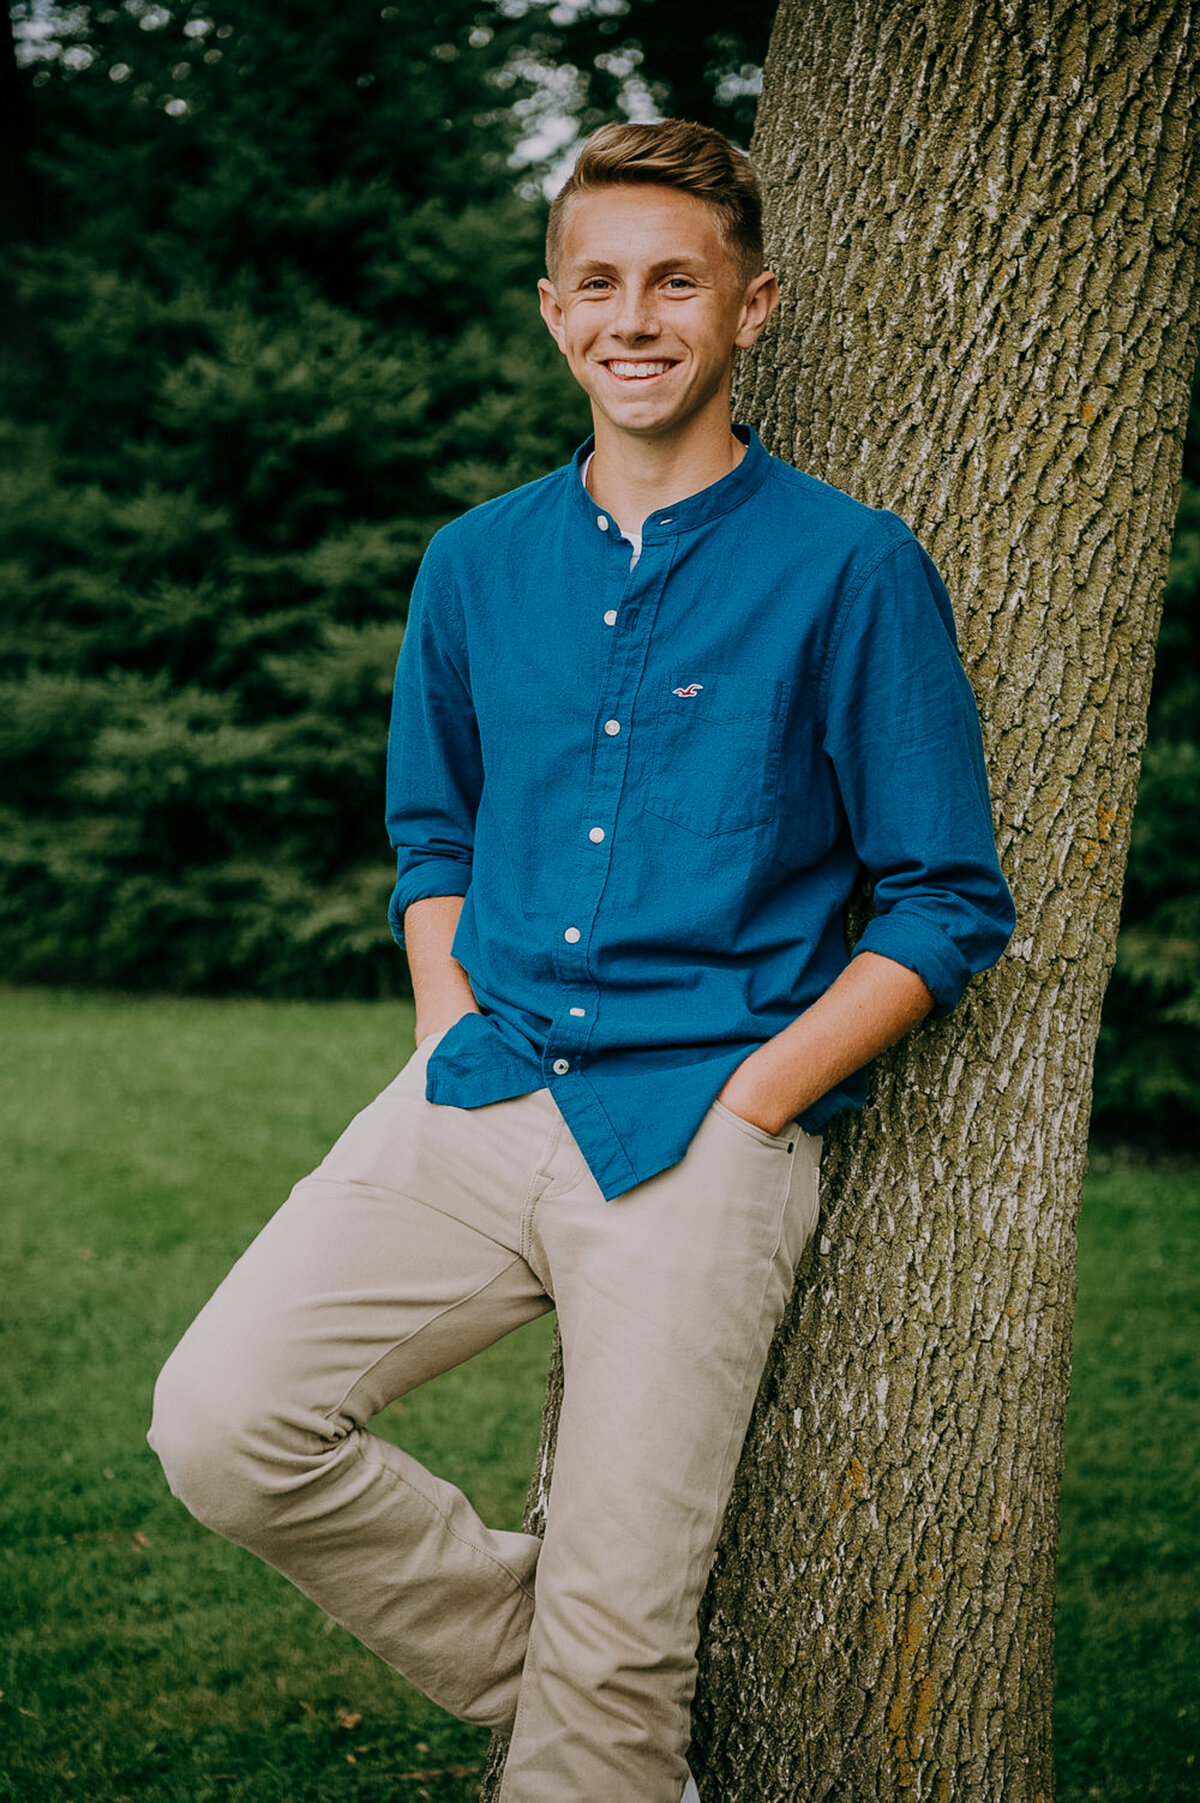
[
  {"x": 751, "y": 1092},
  {"x": 439, "y": 1017}
]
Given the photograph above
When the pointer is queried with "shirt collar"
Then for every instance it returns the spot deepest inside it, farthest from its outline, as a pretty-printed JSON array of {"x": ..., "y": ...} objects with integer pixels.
[{"x": 698, "y": 509}]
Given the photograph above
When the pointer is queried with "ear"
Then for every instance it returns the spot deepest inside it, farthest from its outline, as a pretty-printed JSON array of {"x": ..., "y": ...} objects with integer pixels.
[
  {"x": 552, "y": 313},
  {"x": 758, "y": 303}
]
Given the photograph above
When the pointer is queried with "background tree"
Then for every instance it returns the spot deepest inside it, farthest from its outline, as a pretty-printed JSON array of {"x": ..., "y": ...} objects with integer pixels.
[
  {"x": 985, "y": 219},
  {"x": 286, "y": 305}
]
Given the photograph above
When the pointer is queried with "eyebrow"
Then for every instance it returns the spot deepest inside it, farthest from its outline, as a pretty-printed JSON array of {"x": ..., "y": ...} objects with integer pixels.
[{"x": 598, "y": 266}]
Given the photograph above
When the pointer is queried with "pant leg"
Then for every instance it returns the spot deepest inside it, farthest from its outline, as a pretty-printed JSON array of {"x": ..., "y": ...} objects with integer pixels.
[
  {"x": 396, "y": 1259},
  {"x": 667, "y": 1301}
]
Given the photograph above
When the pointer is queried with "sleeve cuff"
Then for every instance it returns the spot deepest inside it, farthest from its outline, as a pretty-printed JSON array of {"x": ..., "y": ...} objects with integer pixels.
[
  {"x": 437, "y": 876},
  {"x": 923, "y": 949}
]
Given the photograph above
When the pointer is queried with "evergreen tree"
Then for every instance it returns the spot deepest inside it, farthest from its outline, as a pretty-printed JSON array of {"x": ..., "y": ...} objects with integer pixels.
[{"x": 288, "y": 327}]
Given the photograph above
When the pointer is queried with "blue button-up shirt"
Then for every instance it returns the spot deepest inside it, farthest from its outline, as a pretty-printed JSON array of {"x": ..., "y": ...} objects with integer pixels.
[{"x": 656, "y": 787}]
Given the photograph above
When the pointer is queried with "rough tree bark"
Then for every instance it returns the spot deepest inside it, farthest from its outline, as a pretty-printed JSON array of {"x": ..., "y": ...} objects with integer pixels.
[{"x": 985, "y": 219}]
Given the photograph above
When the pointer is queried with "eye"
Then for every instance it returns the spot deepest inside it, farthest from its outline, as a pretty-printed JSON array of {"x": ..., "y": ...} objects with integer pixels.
[
  {"x": 595, "y": 284},
  {"x": 679, "y": 283}
]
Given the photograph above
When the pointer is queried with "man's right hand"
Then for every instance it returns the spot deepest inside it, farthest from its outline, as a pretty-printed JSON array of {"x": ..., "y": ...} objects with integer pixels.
[
  {"x": 441, "y": 988},
  {"x": 440, "y": 1024}
]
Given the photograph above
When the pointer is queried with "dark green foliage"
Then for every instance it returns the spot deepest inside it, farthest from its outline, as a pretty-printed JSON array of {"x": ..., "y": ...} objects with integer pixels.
[
  {"x": 282, "y": 337},
  {"x": 1148, "y": 1062}
]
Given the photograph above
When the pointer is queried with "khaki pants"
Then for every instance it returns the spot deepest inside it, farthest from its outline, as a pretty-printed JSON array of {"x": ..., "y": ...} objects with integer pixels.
[{"x": 427, "y": 1233}]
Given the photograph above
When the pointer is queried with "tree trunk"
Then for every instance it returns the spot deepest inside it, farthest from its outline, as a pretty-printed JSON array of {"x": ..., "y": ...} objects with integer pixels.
[{"x": 984, "y": 217}]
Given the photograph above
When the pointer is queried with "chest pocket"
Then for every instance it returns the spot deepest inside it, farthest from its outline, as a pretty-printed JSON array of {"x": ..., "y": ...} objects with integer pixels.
[{"x": 717, "y": 743}]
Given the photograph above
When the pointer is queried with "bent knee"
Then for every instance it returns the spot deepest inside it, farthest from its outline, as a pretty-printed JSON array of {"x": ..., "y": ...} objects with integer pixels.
[{"x": 222, "y": 1453}]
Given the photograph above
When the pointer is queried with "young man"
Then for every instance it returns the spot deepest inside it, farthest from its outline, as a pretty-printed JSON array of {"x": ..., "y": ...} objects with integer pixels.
[{"x": 653, "y": 715}]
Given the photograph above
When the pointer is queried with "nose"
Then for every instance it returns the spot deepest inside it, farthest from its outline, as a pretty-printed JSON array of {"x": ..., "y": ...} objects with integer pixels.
[{"x": 636, "y": 319}]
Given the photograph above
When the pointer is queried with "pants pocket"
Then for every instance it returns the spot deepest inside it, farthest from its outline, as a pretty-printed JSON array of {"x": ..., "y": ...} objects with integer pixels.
[{"x": 784, "y": 1141}]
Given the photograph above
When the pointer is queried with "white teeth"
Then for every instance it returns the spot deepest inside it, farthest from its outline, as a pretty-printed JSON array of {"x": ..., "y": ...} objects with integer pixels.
[{"x": 639, "y": 369}]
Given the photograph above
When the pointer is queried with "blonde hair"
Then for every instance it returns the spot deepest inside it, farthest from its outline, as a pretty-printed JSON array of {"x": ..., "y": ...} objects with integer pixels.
[{"x": 672, "y": 153}]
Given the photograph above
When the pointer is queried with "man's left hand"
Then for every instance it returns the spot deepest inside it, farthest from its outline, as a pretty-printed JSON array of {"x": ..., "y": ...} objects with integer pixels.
[
  {"x": 745, "y": 1095},
  {"x": 869, "y": 1007}
]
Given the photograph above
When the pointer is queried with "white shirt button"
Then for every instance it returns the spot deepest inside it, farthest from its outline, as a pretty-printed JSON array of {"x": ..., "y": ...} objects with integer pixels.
[
  {"x": 612, "y": 728},
  {"x": 572, "y": 935},
  {"x": 602, "y": 522},
  {"x": 610, "y": 618},
  {"x": 597, "y": 835},
  {"x": 579, "y": 1013},
  {"x": 560, "y": 1067}
]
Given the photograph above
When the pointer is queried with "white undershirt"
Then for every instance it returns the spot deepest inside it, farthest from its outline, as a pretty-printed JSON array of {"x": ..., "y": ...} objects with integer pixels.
[{"x": 633, "y": 538}]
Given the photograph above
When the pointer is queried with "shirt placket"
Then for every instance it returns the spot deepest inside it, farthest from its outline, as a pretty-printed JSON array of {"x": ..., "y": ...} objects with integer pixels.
[{"x": 627, "y": 628}]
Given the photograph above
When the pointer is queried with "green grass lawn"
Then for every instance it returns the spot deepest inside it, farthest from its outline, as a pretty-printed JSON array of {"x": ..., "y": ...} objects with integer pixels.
[
  {"x": 144, "y": 1658},
  {"x": 1127, "y": 1720}
]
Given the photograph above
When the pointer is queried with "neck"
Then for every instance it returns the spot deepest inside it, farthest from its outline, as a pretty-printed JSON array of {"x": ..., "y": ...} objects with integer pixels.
[{"x": 632, "y": 477}]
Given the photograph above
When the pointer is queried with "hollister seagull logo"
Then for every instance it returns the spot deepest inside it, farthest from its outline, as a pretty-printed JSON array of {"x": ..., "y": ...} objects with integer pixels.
[{"x": 693, "y": 688}]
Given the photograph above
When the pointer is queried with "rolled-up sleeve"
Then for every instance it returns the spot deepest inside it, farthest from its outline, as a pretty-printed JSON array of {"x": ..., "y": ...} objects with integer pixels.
[
  {"x": 902, "y": 733},
  {"x": 434, "y": 765}
]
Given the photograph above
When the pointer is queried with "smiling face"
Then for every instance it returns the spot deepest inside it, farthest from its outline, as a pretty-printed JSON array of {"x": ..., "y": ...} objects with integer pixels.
[{"x": 648, "y": 306}]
